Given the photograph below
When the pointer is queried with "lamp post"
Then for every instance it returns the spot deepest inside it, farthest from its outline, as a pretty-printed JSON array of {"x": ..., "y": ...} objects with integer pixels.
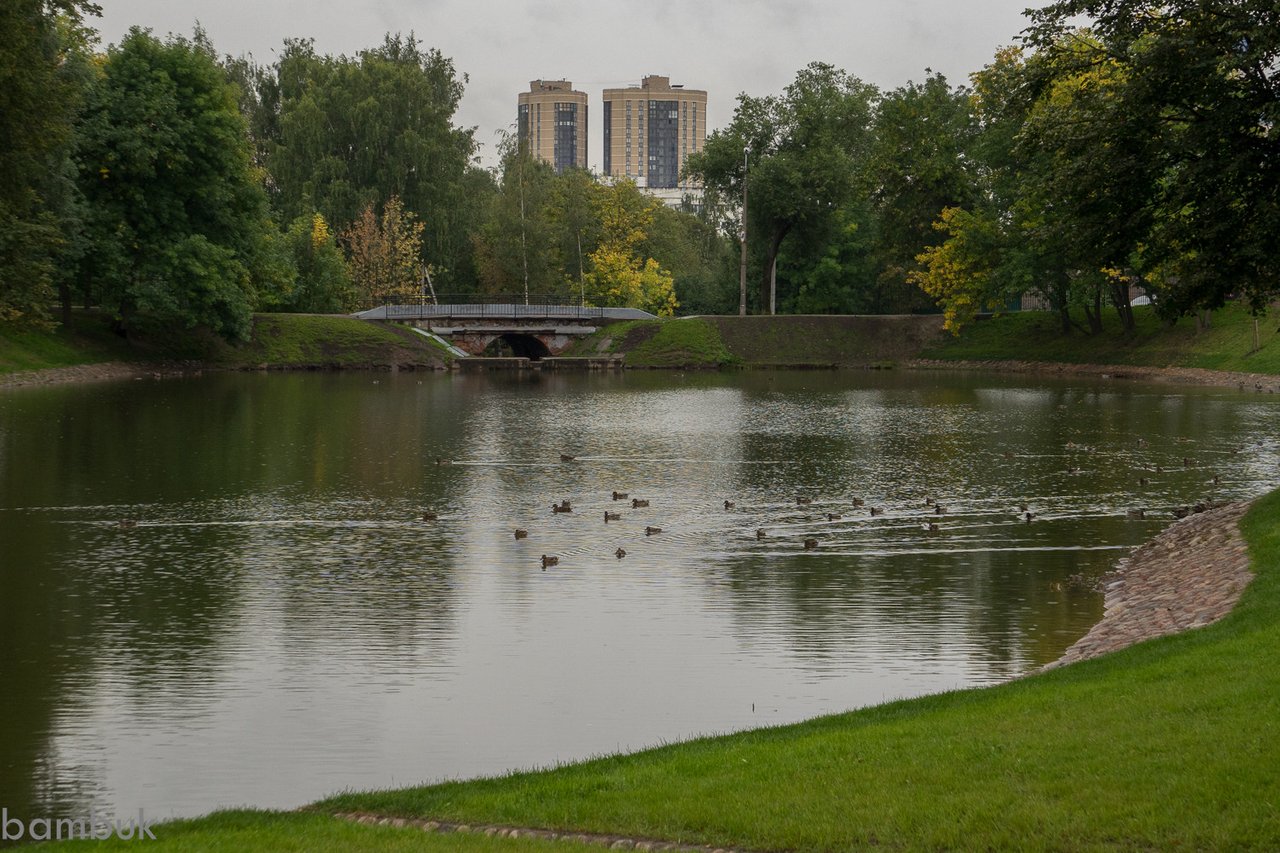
[{"x": 742, "y": 272}]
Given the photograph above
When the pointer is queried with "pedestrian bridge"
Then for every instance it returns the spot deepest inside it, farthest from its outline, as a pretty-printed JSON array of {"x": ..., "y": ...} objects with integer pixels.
[{"x": 533, "y": 328}]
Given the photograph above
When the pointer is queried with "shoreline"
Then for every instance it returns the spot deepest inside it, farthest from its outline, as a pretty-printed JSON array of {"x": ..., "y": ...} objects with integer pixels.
[
  {"x": 1190, "y": 376},
  {"x": 1257, "y": 382},
  {"x": 1189, "y": 575}
]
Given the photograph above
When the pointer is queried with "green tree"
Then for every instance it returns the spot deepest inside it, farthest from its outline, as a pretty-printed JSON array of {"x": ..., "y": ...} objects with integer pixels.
[
  {"x": 323, "y": 285},
  {"x": 1201, "y": 77},
  {"x": 42, "y": 44},
  {"x": 176, "y": 213},
  {"x": 808, "y": 156},
  {"x": 921, "y": 162},
  {"x": 355, "y": 131},
  {"x": 515, "y": 246}
]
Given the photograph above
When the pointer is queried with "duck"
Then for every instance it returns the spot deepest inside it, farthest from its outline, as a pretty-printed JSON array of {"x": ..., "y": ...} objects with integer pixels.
[
  {"x": 1137, "y": 513},
  {"x": 760, "y": 534},
  {"x": 810, "y": 544},
  {"x": 928, "y": 501},
  {"x": 441, "y": 461},
  {"x": 729, "y": 504},
  {"x": 1028, "y": 516},
  {"x": 612, "y": 516},
  {"x": 549, "y": 561},
  {"x": 859, "y": 502},
  {"x": 563, "y": 506},
  {"x": 619, "y": 553},
  {"x": 649, "y": 531},
  {"x": 565, "y": 457},
  {"x": 1181, "y": 511},
  {"x": 1144, "y": 481},
  {"x": 802, "y": 501},
  {"x": 522, "y": 534},
  {"x": 939, "y": 509},
  {"x": 931, "y": 527},
  {"x": 875, "y": 510},
  {"x": 636, "y": 503},
  {"x": 831, "y": 516},
  {"x": 127, "y": 523},
  {"x": 430, "y": 516},
  {"x": 619, "y": 496}
]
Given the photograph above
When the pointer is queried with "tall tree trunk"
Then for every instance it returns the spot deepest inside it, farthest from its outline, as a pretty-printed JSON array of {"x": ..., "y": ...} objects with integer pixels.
[
  {"x": 1119, "y": 293},
  {"x": 64, "y": 296},
  {"x": 775, "y": 243},
  {"x": 1093, "y": 313}
]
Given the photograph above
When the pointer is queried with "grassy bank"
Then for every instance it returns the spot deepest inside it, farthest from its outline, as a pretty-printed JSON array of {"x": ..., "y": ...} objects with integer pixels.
[
  {"x": 849, "y": 341},
  {"x": 1037, "y": 336},
  {"x": 278, "y": 341},
  {"x": 784, "y": 341},
  {"x": 687, "y": 343},
  {"x": 1171, "y": 743}
]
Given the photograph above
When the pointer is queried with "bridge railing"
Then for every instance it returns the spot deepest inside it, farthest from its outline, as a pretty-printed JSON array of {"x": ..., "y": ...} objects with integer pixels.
[{"x": 505, "y": 306}]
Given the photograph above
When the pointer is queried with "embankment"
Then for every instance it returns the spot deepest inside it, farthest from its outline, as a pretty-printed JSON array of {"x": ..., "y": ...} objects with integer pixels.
[{"x": 91, "y": 349}]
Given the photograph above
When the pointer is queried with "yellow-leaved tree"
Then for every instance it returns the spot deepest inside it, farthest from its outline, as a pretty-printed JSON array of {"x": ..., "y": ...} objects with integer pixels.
[
  {"x": 957, "y": 272},
  {"x": 384, "y": 254},
  {"x": 620, "y": 275}
]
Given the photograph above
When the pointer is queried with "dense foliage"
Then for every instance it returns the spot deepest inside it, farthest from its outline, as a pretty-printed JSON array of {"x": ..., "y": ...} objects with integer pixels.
[{"x": 1137, "y": 155}]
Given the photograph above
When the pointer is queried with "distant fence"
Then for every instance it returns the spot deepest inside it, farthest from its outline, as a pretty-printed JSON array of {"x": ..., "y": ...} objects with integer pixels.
[{"x": 505, "y": 306}]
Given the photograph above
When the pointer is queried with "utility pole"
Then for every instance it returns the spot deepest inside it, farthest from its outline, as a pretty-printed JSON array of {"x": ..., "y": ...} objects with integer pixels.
[{"x": 742, "y": 273}]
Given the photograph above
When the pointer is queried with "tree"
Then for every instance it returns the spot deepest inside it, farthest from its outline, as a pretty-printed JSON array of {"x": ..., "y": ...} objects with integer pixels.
[
  {"x": 176, "y": 213},
  {"x": 921, "y": 163},
  {"x": 808, "y": 151},
  {"x": 42, "y": 44},
  {"x": 323, "y": 285},
  {"x": 620, "y": 274},
  {"x": 384, "y": 254},
  {"x": 1202, "y": 77},
  {"x": 514, "y": 246},
  {"x": 355, "y": 131}
]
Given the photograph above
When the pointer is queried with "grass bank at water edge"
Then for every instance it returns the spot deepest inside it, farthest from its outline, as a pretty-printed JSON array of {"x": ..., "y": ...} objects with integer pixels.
[
  {"x": 277, "y": 341},
  {"x": 1228, "y": 343},
  {"x": 1174, "y": 743}
]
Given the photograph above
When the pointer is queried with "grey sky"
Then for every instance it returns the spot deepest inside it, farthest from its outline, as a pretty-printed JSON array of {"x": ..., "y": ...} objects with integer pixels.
[{"x": 721, "y": 46}]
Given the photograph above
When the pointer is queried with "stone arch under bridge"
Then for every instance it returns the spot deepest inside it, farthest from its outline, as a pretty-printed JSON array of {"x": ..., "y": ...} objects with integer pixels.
[{"x": 528, "y": 345}]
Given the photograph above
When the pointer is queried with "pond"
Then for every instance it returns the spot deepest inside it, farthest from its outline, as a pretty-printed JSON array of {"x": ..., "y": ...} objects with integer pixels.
[{"x": 281, "y": 622}]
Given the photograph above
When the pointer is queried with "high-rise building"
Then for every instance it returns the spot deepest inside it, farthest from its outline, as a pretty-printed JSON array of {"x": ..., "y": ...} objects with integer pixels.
[
  {"x": 551, "y": 121},
  {"x": 649, "y": 132}
]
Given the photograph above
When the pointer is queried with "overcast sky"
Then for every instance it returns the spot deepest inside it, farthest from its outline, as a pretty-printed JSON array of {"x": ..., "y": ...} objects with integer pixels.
[{"x": 721, "y": 46}]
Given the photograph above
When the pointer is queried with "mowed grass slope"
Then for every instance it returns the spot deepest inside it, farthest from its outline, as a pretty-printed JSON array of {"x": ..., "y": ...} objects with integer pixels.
[
  {"x": 1174, "y": 743},
  {"x": 1037, "y": 336},
  {"x": 278, "y": 340}
]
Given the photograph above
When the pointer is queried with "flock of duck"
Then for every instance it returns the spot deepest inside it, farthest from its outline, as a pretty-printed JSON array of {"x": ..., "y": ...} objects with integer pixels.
[{"x": 931, "y": 509}]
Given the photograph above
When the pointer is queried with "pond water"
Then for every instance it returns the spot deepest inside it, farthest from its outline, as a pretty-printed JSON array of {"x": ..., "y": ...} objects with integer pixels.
[{"x": 281, "y": 623}]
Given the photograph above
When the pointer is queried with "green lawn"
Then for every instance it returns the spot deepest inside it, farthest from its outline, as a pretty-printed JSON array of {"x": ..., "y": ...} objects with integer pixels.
[{"x": 1037, "y": 336}]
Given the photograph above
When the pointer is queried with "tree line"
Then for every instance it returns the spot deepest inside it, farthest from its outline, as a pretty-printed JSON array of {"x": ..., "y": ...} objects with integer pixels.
[{"x": 169, "y": 184}]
